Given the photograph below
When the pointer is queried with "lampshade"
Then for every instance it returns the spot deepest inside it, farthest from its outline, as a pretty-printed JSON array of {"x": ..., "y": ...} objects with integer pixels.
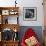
[{"x": 15, "y": 30}]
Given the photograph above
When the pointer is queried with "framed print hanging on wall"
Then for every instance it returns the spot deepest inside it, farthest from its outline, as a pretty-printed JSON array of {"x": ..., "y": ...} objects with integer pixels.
[{"x": 30, "y": 13}]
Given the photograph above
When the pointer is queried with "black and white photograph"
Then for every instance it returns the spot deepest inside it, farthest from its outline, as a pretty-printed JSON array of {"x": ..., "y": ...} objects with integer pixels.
[{"x": 29, "y": 13}]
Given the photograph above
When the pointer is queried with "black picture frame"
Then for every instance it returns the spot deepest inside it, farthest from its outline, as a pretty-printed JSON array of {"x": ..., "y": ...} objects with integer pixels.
[{"x": 30, "y": 13}]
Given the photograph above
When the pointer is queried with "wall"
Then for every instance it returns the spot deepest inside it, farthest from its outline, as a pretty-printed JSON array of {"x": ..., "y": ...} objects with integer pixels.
[
  {"x": 7, "y": 3},
  {"x": 27, "y": 3},
  {"x": 38, "y": 5},
  {"x": 38, "y": 30}
]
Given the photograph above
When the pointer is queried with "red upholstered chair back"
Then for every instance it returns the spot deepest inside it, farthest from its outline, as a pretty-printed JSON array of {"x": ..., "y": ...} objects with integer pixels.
[{"x": 29, "y": 33}]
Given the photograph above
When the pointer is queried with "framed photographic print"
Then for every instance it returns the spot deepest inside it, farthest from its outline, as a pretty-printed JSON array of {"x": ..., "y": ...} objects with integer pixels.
[
  {"x": 30, "y": 13},
  {"x": 5, "y": 12}
]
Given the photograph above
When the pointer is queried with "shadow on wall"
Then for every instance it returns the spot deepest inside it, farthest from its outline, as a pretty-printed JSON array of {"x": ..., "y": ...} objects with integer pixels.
[{"x": 37, "y": 29}]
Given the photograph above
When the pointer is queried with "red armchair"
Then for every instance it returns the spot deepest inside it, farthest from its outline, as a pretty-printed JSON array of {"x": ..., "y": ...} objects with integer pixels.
[{"x": 28, "y": 34}]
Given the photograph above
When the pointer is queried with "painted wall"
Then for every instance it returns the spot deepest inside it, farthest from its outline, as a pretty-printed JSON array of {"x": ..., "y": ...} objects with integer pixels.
[
  {"x": 37, "y": 29},
  {"x": 27, "y": 3},
  {"x": 38, "y": 5}
]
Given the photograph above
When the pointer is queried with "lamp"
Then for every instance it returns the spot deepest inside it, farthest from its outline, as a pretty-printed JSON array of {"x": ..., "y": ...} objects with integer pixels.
[
  {"x": 15, "y": 37},
  {"x": 15, "y": 30}
]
